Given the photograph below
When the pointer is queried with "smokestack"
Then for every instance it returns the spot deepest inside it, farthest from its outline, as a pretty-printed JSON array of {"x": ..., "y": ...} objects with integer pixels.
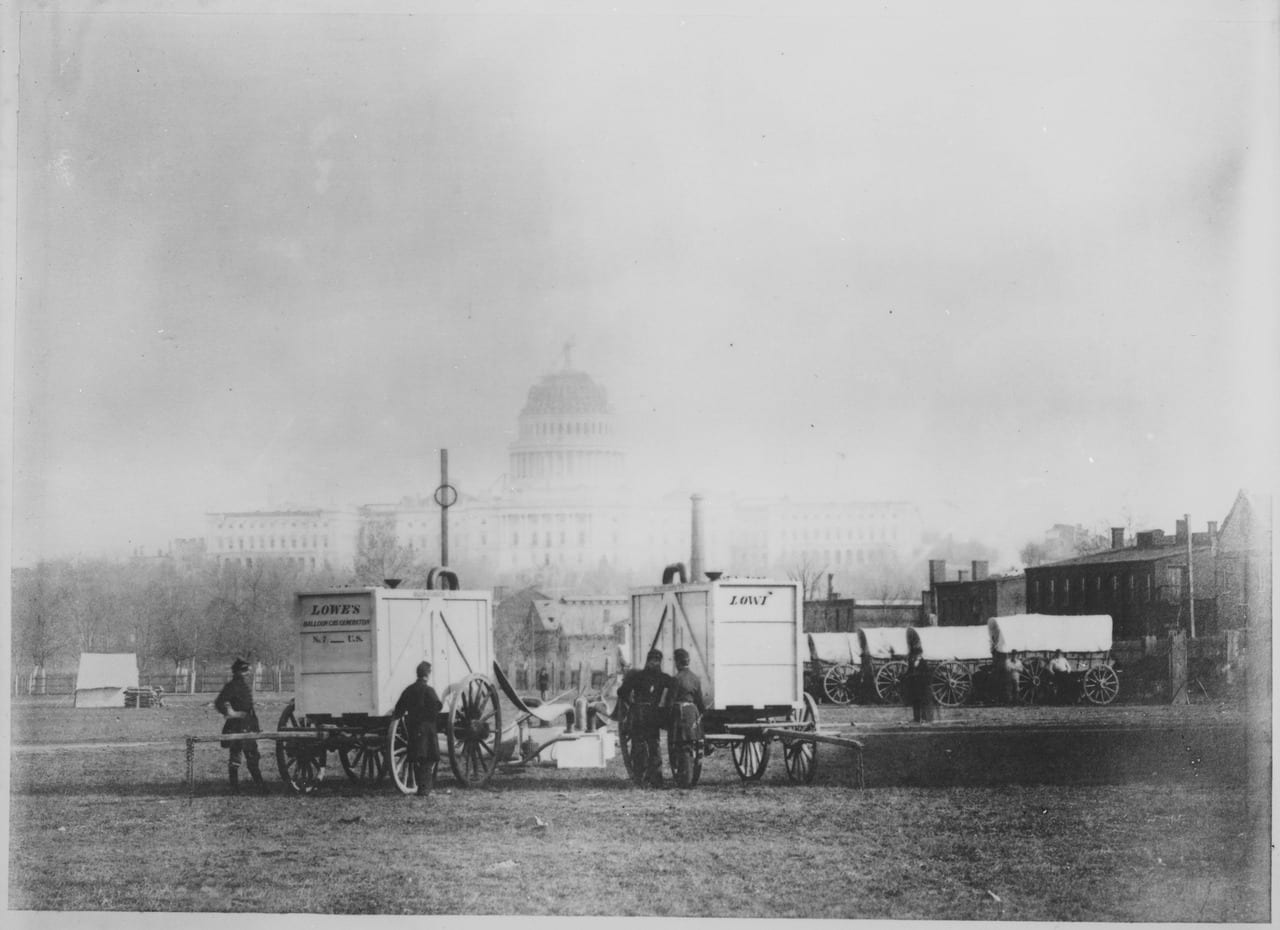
[
  {"x": 1117, "y": 537},
  {"x": 1181, "y": 531},
  {"x": 695, "y": 555},
  {"x": 980, "y": 569}
]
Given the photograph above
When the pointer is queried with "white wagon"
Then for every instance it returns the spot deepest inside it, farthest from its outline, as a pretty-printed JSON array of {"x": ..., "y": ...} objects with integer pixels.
[
  {"x": 357, "y": 650},
  {"x": 746, "y": 643},
  {"x": 1085, "y": 641}
]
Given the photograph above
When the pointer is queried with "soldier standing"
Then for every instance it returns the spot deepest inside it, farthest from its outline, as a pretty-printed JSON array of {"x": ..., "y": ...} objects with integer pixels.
[
  {"x": 647, "y": 692},
  {"x": 235, "y": 702},
  {"x": 420, "y": 706}
]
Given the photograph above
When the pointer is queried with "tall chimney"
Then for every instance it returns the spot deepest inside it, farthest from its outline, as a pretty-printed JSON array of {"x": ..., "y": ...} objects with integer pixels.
[
  {"x": 695, "y": 554},
  {"x": 1117, "y": 537},
  {"x": 937, "y": 571},
  {"x": 1181, "y": 532},
  {"x": 980, "y": 570},
  {"x": 1213, "y": 536}
]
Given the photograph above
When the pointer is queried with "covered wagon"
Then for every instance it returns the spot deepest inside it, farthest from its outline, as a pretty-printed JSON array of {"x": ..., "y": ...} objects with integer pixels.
[
  {"x": 1084, "y": 640},
  {"x": 835, "y": 661},
  {"x": 884, "y": 661},
  {"x": 959, "y": 659}
]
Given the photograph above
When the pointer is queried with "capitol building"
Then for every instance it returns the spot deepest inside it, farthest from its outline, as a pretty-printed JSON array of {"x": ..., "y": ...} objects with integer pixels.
[{"x": 564, "y": 516}]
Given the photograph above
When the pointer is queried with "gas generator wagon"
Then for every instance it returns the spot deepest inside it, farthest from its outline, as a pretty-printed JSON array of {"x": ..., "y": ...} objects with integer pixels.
[
  {"x": 746, "y": 643},
  {"x": 358, "y": 649}
]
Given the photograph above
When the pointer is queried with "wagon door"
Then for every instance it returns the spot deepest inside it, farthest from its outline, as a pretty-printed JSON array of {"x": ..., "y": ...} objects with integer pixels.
[{"x": 406, "y": 641}]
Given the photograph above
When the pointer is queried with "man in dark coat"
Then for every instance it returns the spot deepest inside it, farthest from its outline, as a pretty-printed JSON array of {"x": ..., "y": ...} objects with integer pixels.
[
  {"x": 420, "y": 706},
  {"x": 235, "y": 702},
  {"x": 648, "y": 692}
]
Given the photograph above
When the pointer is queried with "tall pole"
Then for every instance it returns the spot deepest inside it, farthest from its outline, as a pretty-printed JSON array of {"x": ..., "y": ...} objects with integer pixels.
[
  {"x": 444, "y": 510},
  {"x": 1191, "y": 585}
]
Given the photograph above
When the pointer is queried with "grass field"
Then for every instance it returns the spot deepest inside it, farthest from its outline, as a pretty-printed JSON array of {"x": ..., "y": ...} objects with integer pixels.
[{"x": 102, "y": 821}]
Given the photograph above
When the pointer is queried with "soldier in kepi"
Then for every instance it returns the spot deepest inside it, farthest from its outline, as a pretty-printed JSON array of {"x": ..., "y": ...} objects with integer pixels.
[
  {"x": 687, "y": 706},
  {"x": 420, "y": 706},
  {"x": 235, "y": 702},
  {"x": 647, "y": 691}
]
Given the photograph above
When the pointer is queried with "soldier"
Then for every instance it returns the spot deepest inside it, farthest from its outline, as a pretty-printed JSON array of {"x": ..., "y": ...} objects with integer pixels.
[
  {"x": 647, "y": 692},
  {"x": 235, "y": 702},
  {"x": 420, "y": 706},
  {"x": 687, "y": 708},
  {"x": 686, "y": 687}
]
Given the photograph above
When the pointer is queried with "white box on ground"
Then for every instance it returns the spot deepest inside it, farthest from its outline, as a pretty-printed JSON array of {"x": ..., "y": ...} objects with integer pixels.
[{"x": 588, "y": 751}]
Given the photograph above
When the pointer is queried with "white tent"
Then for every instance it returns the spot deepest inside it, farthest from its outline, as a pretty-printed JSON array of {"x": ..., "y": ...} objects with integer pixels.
[
  {"x": 103, "y": 678},
  {"x": 1046, "y": 632}
]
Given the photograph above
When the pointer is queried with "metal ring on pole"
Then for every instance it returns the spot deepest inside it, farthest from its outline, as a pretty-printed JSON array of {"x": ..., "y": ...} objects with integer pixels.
[
  {"x": 447, "y": 578},
  {"x": 446, "y": 495}
]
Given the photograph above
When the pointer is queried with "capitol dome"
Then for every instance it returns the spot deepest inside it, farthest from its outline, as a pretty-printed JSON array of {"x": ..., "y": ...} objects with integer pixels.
[
  {"x": 565, "y": 436},
  {"x": 566, "y": 393}
]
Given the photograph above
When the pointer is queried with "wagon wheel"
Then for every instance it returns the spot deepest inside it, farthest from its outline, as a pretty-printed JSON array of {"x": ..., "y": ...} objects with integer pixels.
[
  {"x": 888, "y": 682},
  {"x": 1031, "y": 680},
  {"x": 624, "y": 738},
  {"x": 1101, "y": 684},
  {"x": 298, "y": 761},
  {"x": 835, "y": 684},
  {"x": 364, "y": 759},
  {"x": 951, "y": 684},
  {"x": 399, "y": 766},
  {"x": 801, "y": 755},
  {"x": 475, "y": 726},
  {"x": 750, "y": 757},
  {"x": 685, "y": 760}
]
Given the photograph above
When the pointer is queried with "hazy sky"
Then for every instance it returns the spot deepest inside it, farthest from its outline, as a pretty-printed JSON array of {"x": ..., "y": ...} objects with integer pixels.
[{"x": 1014, "y": 261}]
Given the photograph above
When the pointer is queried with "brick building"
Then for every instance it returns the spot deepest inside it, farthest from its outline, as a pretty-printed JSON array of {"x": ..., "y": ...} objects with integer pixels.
[
  {"x": 966, "y": 601},
  {"x": 1145, "y": 587}
]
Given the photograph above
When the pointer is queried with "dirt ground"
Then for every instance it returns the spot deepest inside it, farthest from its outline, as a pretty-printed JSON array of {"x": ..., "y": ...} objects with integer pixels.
[{"x": 1130, "y": 813}]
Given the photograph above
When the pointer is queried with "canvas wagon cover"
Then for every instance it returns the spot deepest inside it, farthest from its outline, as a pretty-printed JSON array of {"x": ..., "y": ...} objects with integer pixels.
[
  {"x": 1047, "y": 632},
  {"x": 953, "y": 643},
  {"x": 834, "y": 648},
  {"x": 103, "y": 677},
  {"x": 888, "y": 642}
]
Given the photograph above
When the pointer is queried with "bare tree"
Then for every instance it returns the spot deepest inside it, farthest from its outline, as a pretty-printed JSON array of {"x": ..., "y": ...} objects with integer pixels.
[
  {"x": 40, "y": 631},
  {"x": 379, "y": 554},
  {"x": 810, "y": 576}
]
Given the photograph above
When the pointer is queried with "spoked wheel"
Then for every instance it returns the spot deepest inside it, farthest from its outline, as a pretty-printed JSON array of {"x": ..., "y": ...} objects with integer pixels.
[
  {"x": 399, "y": 766},
  {"x": 888, "y": 682},
  {"x": 364, "y": 759},
  {"x": 1033, "y": 674},
  {"x": 475, "y": 726},
  {"x": 801, "y": 755},
  {"x": 1101, "y": 684},
  {"x": 951, "y": 684},
  {"x": 625, "y": 748},
  {"x": 686, "y": 762},
  {"x": 298, "y": 761},
  {"x": 835, "y": 684},
  {"x": 750, "y": 757}
]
